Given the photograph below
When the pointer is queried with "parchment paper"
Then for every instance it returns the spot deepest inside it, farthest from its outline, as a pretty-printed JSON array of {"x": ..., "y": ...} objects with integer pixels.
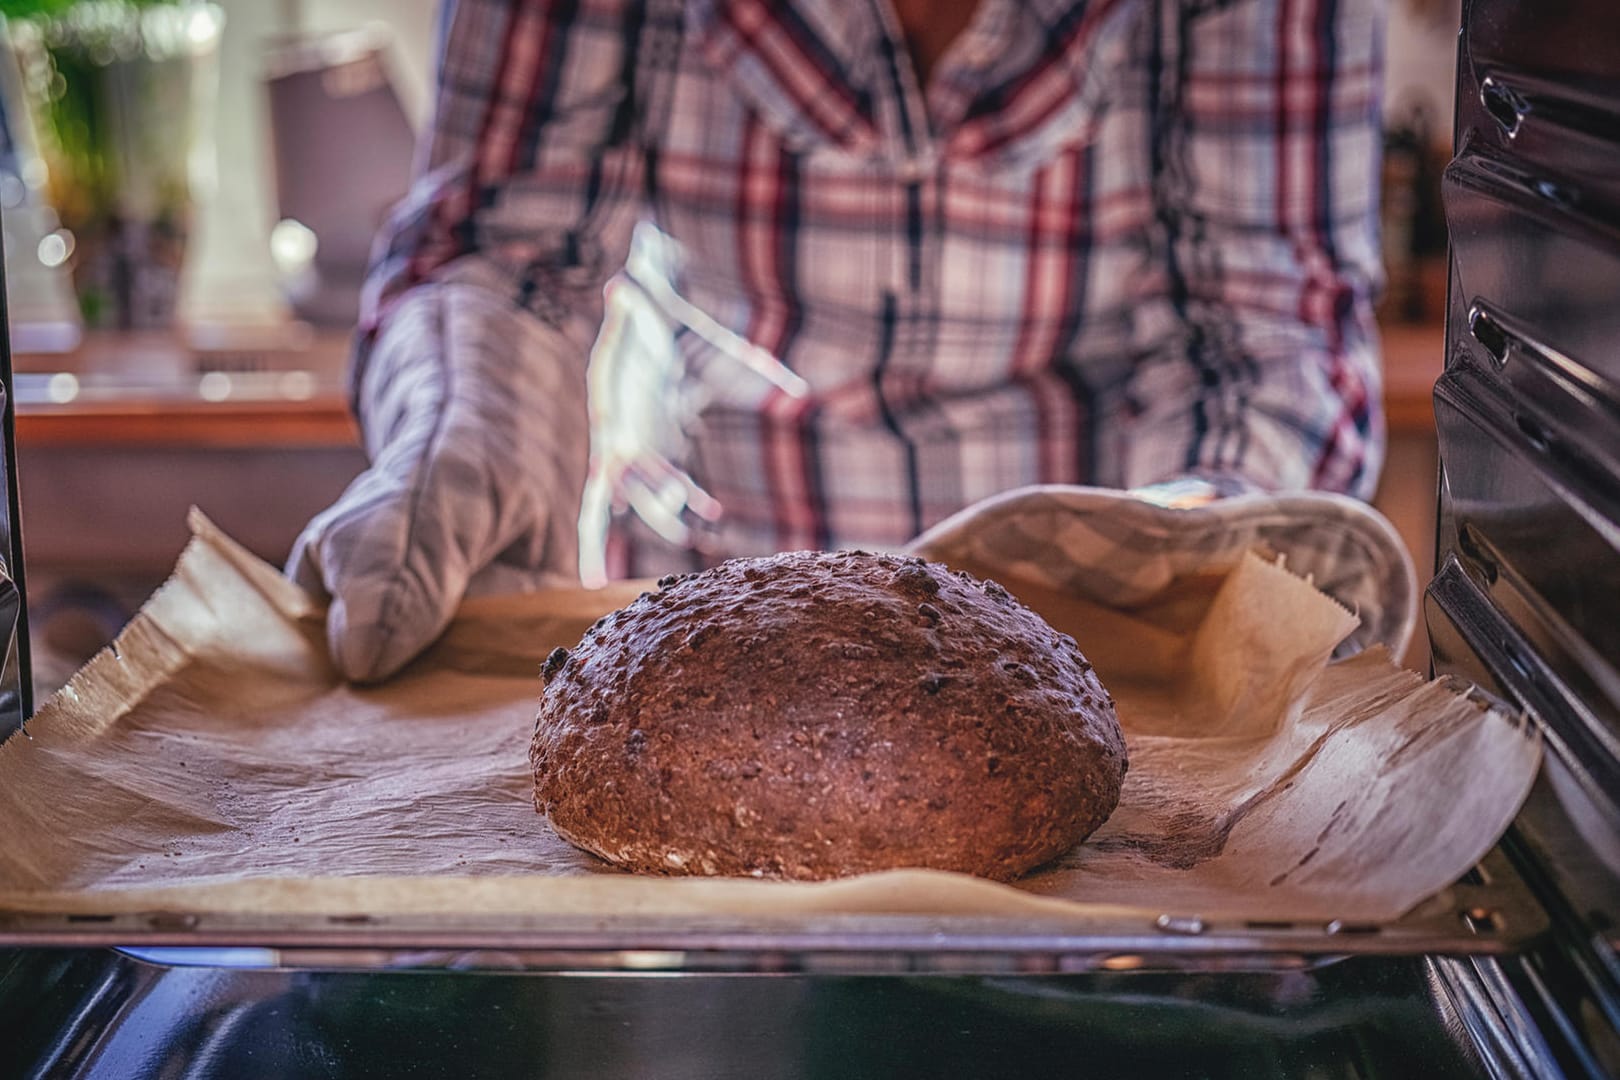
[{"x": 212, "y": 762}]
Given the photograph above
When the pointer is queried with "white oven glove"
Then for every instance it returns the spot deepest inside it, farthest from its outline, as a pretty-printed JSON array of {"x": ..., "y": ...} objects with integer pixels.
[
  {"x": 473, "y": 415},
  {"x": 1122, "y": 548}
]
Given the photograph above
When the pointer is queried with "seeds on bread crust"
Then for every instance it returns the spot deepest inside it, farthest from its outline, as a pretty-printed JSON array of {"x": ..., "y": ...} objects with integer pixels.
[{"x": 814, "y": 715}]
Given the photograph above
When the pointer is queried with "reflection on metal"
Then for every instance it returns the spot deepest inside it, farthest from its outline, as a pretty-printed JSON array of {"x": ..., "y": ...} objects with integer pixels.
[
  {"x": 16, "y": 686},
  {"x": 1479, "y": 996},
  {"x": 1180, "y": 924},
  {"x": 1528, "y": 559},
  {"x": 1506, "y": 105},
  {"x": 14, "y": 706},
  {"x": 104, "y": 1014}
]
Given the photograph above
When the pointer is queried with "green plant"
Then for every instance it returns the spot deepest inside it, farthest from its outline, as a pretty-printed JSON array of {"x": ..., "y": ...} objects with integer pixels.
[
  {"x": 29, "y": 9},
  {"x": 113, "y": 90}
]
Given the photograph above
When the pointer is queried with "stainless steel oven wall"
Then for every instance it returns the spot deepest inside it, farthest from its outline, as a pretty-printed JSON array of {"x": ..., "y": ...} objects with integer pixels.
[
  {"x": 1526, "y": 598},
  {"x": 16, "y": 686}
]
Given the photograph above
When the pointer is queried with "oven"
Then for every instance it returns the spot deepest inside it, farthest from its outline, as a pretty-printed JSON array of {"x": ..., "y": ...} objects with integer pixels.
[{"x": 1518, "y": 977}]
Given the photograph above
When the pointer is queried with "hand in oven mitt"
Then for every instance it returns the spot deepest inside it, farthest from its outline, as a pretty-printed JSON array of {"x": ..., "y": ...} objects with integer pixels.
[{"x": 473, "y": 415}]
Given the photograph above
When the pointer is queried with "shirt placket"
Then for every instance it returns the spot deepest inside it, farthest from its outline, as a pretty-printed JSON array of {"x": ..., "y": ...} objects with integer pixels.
[
  {"x": 920, "y": 165},
  {"x": 915, "y": 163},
  {"x": 906, "y": 304}
]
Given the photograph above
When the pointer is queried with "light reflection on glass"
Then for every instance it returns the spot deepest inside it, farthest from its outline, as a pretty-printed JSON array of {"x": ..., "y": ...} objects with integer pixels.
[
  {"x": 54, "y": 248},
  {"x": 62, "y": 388},
  {"x": 214, "y": 386}
]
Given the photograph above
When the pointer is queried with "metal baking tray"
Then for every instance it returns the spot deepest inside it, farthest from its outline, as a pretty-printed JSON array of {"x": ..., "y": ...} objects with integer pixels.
[{"x": 1491, "y": 911}]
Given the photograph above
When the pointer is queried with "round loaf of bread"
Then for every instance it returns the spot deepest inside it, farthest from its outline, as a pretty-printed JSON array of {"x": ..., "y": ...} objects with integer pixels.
[{"x": 813, "y": 715}]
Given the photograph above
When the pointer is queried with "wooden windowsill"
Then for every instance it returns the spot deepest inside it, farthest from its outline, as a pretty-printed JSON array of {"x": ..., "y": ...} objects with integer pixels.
[
  {"x": 276, "y": 388},
  {"x": 269, "y": 425}
]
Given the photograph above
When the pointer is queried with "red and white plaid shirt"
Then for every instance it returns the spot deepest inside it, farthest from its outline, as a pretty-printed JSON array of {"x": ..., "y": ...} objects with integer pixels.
[{"x": 1111, "y": 241}]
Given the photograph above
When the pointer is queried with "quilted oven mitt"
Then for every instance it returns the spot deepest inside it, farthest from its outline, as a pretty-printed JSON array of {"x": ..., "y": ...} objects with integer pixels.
[
  {"x": 474, "y": 440},
  {"x": 1121, "y": 549}
]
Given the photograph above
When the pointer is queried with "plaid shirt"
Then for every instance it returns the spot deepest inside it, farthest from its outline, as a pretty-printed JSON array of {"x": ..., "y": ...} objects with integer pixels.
[{"x": 1111, "y": 242}]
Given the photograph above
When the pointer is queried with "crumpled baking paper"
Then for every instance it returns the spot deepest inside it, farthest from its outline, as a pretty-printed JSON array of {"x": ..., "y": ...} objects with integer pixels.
[{"x": 212, "y": 762}]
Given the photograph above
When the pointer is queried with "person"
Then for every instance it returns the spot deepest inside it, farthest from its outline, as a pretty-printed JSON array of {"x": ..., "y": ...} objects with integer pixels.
[{"x": 1126, "y": 243}]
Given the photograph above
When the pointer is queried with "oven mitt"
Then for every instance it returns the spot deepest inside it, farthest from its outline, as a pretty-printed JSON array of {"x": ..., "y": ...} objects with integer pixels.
[
  {"x": 473, "y": 415},
  {"x": 1120, "y": 549}
]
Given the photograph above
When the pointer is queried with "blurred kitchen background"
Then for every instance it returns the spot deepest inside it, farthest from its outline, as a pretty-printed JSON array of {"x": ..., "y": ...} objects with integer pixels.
[{"x": 195, "y": 352}]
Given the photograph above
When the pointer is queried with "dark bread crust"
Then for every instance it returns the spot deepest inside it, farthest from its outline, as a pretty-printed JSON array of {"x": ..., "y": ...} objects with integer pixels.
[{"x": 812, "y": 715}]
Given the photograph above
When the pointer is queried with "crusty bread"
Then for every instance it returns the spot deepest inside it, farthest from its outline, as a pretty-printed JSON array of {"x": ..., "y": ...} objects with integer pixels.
[{"x": 812, "y": 715}]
